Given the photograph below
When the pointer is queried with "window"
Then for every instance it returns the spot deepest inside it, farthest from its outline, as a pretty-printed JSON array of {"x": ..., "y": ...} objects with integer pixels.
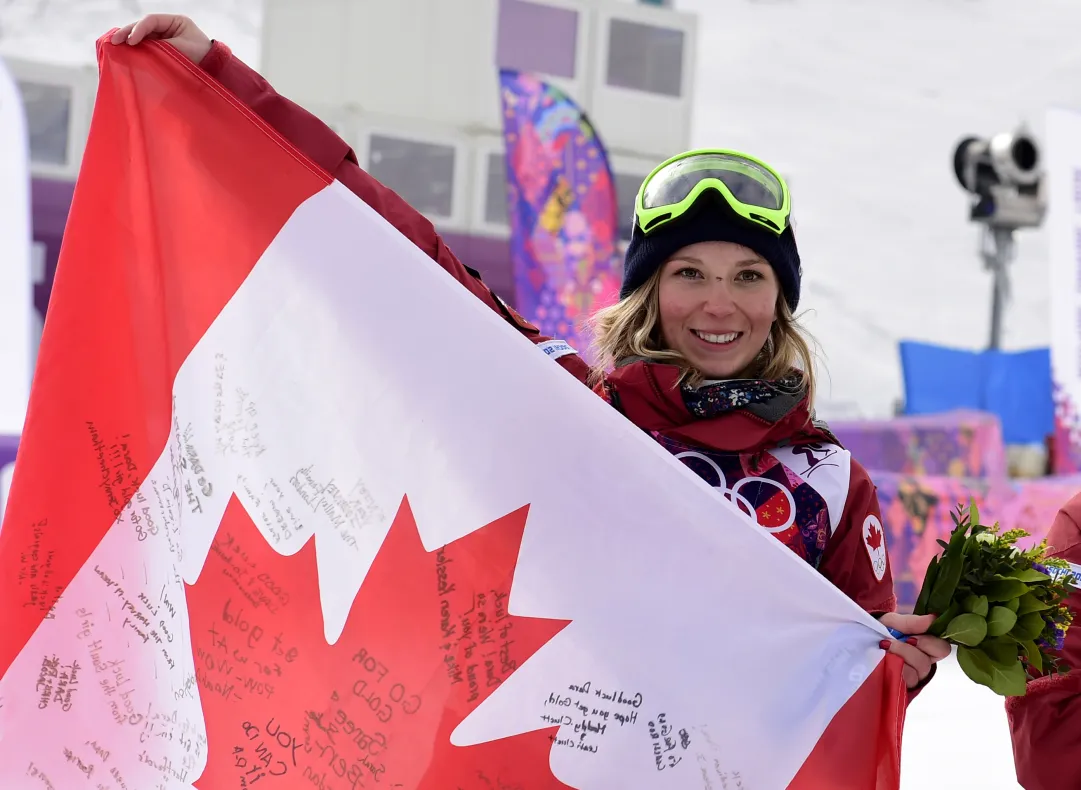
[
  {"x": 535, "y": 37},
  {"x": 645, "y": 57},
  {"x": 422, "y": 173},
  {"x": 495, "y": 191},
  {"x": 48, "y": 118},
  {"x": 626, "y": 192}
]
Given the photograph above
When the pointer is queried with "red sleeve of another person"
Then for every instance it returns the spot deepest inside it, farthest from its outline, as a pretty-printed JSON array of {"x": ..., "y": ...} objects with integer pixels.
[
  {"x": 1046, "y": 722},
  {"x": 320, "y": 144}
]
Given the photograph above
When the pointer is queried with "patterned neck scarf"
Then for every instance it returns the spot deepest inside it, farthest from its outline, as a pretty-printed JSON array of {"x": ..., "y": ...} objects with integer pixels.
[{"x": 712, "y": 398}]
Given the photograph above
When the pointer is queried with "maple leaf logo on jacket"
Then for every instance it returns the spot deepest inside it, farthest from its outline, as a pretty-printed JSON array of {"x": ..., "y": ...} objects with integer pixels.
[
  {"x": 874, "y": 539},
  {"x": 428, "y": 639},
  {"x": 874, "y": 542}
]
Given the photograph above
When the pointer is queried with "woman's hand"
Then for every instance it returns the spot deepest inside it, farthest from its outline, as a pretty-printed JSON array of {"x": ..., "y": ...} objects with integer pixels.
[
  {"x": 177, "y": 30},
  {"x": 920, "y": 650}
]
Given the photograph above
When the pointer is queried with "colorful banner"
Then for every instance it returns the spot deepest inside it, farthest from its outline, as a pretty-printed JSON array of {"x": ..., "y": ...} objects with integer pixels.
[
  {"x": 957, "y": 444},
  {"x": 917, "y": 511},
  {"x": 1063, "y": 168},
  {"x": 563, "y": 212},
  {"x": 266, "y": 532},
  {"x": 17, "y": 324}
]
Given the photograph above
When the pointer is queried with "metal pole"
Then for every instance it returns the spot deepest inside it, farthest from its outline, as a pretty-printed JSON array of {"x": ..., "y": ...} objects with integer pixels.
[{"x": 997, "y": 257}]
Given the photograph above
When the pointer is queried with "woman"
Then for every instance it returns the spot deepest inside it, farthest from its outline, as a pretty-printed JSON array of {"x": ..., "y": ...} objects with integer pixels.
[{"x": 708, "y": 358}]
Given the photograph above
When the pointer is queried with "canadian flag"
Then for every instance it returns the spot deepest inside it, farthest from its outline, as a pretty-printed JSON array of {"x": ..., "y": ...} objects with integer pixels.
[{"x": 278, "y": 521}]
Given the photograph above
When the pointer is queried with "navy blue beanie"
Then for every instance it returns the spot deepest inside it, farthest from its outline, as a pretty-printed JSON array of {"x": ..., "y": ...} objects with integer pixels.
[{"x": 708, "y": 222}]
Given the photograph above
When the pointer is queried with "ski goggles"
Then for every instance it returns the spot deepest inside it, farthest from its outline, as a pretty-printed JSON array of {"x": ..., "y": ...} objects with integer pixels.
[{"x": 751, "y": 188}]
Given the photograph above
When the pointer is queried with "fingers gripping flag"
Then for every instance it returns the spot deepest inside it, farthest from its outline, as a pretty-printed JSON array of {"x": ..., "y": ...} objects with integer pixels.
[{"x": 276, "y": 523}]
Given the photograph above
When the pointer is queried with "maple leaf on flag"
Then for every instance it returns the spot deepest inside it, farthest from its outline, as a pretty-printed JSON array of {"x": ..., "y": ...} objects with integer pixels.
[
  {"x": 427, "y": 640},
  {"x": 874, "y": 537}
]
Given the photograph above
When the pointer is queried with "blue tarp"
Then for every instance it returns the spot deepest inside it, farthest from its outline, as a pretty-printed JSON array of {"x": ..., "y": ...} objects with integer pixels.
[{"x": 1014, "y": 385}]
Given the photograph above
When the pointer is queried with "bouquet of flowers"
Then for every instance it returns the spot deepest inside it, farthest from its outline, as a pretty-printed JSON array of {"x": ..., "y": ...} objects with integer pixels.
[{"x": 1004, "y": 608}]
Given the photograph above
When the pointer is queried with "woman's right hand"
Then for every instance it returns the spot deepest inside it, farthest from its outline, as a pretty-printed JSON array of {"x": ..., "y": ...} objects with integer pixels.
[{"x": 177, "y": 30}]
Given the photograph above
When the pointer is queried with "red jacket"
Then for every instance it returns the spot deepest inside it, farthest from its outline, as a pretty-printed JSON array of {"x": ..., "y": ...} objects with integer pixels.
[
  {"x": 782, "y": 470},
  {"x": 1046, "y": 722}
]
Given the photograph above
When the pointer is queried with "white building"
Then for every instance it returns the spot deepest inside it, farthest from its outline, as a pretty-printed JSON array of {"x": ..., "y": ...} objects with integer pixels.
[{"x": 412, "y": 85}]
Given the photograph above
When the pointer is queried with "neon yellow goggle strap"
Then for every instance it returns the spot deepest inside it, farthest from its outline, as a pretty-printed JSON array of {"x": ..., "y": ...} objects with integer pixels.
[{"x": 753, "y": 189}]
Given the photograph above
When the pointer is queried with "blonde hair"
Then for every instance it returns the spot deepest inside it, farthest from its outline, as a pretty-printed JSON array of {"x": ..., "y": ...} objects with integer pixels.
[{"x": 632, "y": 328}]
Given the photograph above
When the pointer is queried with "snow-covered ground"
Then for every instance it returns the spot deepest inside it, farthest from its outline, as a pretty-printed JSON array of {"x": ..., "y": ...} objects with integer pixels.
[
  {"x": 861, "y": 104},
  {"x": 956, "y": 737}
]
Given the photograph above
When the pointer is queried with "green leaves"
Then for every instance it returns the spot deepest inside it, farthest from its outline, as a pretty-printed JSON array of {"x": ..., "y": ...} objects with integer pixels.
[
  {"x": 1030, "y": 575},
  {"x": 1032, "y": 654},
  {"x": 938, "y": 627},
  {"x": 966, "y": 629},
  {"x": 1030, "y": 603},
  {"x": 1002, "y": 652},
  {"x": 998, "y": 604},
  {"x": 1005, "y": 590},
  {"x": 1007, "y": 681},
  {"x": 976, "y": 665},
  {"x": 928, "y": 583},
  {"x": 1028, "y": 627},
  {"x": 976, "y": 604},
  {"x": 949, "y": 572},
  {"x": 1000, "y": 620}
]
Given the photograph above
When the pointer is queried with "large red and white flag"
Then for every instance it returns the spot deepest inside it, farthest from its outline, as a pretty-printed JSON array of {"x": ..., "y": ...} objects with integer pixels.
[{"x": 293, "y": 509}]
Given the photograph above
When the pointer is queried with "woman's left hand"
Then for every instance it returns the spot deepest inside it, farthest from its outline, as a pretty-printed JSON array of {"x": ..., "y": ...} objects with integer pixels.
[{"x": 920, "y": 650}]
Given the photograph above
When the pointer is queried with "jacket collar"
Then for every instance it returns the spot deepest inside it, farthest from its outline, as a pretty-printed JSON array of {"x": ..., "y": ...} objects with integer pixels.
[{"x": 650, "y": 396}]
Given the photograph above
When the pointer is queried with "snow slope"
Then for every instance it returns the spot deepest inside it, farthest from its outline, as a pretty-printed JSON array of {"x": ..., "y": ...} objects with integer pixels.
[{"x": 862, "y": 103}]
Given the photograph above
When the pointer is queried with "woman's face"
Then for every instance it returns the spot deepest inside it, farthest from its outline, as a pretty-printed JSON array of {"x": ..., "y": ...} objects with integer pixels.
[{"x": 718, "y": 301}]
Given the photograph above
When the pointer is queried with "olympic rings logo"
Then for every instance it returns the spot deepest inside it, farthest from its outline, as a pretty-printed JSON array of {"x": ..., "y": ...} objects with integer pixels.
[{"x": 740, "y": 500}]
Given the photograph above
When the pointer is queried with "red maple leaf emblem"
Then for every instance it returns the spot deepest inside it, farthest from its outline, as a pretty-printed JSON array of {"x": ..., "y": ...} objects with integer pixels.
[
  {"x": 427, "y": 640},
  {"x": 874, "y": 537}
]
